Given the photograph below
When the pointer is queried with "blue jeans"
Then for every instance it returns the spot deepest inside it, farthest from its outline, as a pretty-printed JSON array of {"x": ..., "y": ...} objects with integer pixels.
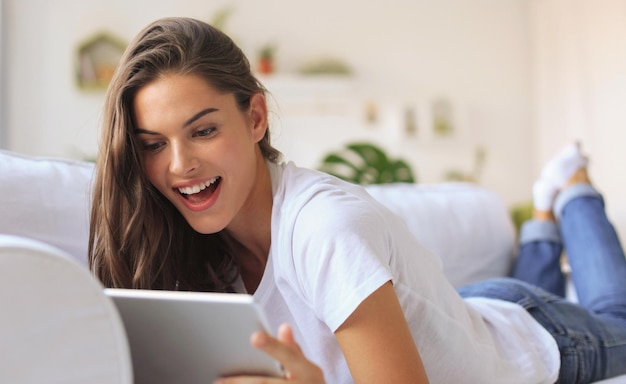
[{"x": 591, "y": 335}]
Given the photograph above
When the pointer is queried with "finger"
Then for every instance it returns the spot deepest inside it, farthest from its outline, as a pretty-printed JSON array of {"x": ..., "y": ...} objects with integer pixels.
[
  {"x": 276, "y": 348},
  {"x": 285, "y": 351},
  {"x": 248, "y": 380},
  {"x": 288, "y": 353},
  {"x": 290, "y": 357},
  {"x": 285, "y": 334}
]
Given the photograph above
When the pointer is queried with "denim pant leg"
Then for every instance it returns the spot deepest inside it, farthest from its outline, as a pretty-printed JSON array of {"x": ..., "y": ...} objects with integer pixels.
[
  {"x": 592, "y": 348},
  {"x": 593, "y": 250},
  {"x": 539, "y": 258},
  {"x": 591, "y": 336}
]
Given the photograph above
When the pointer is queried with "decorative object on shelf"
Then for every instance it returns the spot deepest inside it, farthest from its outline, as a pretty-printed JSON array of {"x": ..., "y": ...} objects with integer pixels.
[
  {"x": 266, "y": 59},
  {"x": 443, "y": 117},
  {"x": 97, "y": 59},
  {"x": 325, "y": 66},
  {"x": 410, "y": 121},
  {"x": 371, "y": 112},
  {"x": 480, "y": 155},
  {"x": 366, "y": 163}
]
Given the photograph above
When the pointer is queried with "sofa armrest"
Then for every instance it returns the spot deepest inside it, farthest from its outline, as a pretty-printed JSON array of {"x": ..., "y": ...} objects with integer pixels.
[{"x": 57, "y": 325}]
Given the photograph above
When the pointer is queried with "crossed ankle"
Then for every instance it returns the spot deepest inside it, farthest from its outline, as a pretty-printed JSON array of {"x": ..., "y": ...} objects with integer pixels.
[
  {"x": 579, "y": 177},
  {"x": 542, "y": 215},
  {"x": 564, "y": 166}
]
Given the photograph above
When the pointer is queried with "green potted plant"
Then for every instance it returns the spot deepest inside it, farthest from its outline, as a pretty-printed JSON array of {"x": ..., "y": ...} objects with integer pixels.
[{"x": 366, "y": 163}]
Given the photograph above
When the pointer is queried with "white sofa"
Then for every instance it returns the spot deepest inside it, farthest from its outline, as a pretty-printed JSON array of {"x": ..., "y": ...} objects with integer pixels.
[{"x": 58, "y": 327}]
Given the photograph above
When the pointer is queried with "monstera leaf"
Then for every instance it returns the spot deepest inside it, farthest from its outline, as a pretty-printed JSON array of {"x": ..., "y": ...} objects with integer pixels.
[{"x": 365, "y": 163}]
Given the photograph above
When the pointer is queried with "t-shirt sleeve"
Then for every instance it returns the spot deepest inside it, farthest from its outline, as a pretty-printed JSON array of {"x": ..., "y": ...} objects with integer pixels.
[{"x": 342, "y": 249}]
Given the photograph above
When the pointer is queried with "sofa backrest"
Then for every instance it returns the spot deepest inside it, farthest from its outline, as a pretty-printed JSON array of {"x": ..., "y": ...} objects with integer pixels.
[
  {"x": 467, "y": 226},
  {"x": 46, "y": 199}
]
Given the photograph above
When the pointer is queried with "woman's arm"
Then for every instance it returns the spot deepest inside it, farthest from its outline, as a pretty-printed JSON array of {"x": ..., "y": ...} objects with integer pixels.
[
  {"x": 375, "y": 340},
  {"x": 377, "y": 343}
]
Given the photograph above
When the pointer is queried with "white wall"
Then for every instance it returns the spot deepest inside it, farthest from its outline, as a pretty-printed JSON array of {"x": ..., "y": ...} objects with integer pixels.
[
  {"x": 3, "y": 129},
  {"x": 579, "y": 76},
  {"x": 404, "y": 52}
]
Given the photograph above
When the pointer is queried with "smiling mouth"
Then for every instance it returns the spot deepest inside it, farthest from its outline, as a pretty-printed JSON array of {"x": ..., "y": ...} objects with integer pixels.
[{"x": 200, "y": 192}]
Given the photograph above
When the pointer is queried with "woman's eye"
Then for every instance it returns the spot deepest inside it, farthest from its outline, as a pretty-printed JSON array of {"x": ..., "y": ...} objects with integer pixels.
[
  {"x": 151, "y": 147},
  {"x": 204, "y": 132}
]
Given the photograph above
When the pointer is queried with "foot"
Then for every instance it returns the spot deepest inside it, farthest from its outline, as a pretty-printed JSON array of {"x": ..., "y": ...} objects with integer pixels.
[
  {"x": 566, "y": 168},
  {"x": 544, "y": 192},
  {"x": 564, "y": 165},
  {"x": 579, "y": 177}
]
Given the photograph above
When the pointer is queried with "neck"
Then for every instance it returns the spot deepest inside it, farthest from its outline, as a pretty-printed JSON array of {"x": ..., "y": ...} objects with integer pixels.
[
  {"x": 249, "y": 237},
  {"x": 251, "y": 265}
]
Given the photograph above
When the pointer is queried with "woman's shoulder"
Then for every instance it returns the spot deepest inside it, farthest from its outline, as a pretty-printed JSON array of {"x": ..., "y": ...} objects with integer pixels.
[
  {"x": 305, "y": 185},
  {"x": 314, "y": 199}
]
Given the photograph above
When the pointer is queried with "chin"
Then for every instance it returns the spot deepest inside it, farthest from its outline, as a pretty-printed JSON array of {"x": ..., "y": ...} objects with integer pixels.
[{"x": 205, "y": 228}]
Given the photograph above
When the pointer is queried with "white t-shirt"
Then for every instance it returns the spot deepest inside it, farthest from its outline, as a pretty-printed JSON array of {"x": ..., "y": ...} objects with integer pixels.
[{"x": 333, "y": 245}]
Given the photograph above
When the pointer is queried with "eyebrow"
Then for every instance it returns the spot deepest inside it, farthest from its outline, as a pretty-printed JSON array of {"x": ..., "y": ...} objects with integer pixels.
[
  {"x": 199, "y": 115},
  {"x": 187, "y": 123}
]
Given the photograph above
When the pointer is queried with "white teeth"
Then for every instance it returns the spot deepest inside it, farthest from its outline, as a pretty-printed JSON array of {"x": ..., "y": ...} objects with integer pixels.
[{"x": 197, "y": 188}]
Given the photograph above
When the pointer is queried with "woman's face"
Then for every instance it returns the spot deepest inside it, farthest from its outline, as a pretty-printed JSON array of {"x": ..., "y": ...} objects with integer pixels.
[{"x": 199, "y": 149}]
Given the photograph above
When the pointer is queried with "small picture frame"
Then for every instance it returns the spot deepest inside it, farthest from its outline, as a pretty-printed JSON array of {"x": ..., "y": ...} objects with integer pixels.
[
  {"x": 443, "y": 118},
  {"x": 97, "y": 59}
]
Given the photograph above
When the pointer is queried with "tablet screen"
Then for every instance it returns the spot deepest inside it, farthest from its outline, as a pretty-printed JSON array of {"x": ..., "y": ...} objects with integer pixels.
[{"x": 191, "y": 337}]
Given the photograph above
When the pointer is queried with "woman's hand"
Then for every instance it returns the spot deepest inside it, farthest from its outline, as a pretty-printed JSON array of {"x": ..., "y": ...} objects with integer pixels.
[{"x": 297, "y": 368}]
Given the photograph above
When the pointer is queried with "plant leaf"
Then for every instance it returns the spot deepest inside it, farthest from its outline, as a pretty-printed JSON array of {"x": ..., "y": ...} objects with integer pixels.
[{"x": 365, "y": 163}]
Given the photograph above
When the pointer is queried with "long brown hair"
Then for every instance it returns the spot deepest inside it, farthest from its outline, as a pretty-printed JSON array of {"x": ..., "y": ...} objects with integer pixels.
[{"x": 137, "y": 238}]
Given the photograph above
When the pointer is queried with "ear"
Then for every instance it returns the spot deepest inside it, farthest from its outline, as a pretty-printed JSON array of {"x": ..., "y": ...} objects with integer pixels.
[{"x": 258, "y": 116}]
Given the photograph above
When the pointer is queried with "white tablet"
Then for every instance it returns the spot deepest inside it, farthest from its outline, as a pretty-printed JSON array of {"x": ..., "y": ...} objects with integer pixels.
[{"x": 191, "y": 337}]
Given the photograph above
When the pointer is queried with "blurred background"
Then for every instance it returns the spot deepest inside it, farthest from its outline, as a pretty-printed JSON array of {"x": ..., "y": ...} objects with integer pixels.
[{"x": 479, "y": 90}]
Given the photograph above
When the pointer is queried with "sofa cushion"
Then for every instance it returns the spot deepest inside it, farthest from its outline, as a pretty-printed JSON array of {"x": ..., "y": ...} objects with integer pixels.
[
  {"x": 464, "y": 224},
  {"x": 46, "y": 199}
]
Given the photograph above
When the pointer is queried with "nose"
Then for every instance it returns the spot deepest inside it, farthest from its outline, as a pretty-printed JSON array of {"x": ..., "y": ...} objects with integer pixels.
[{"x": 183, "y": 161}]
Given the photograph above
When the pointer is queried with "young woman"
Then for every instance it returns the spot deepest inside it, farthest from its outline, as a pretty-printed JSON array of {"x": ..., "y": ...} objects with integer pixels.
[{"x": 190, "y": 195}]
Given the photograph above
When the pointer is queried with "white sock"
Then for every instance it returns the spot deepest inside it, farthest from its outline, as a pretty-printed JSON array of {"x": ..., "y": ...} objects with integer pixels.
[
  {"x": 544, "y": 193},
  {"x": 562, "y": 166}
]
